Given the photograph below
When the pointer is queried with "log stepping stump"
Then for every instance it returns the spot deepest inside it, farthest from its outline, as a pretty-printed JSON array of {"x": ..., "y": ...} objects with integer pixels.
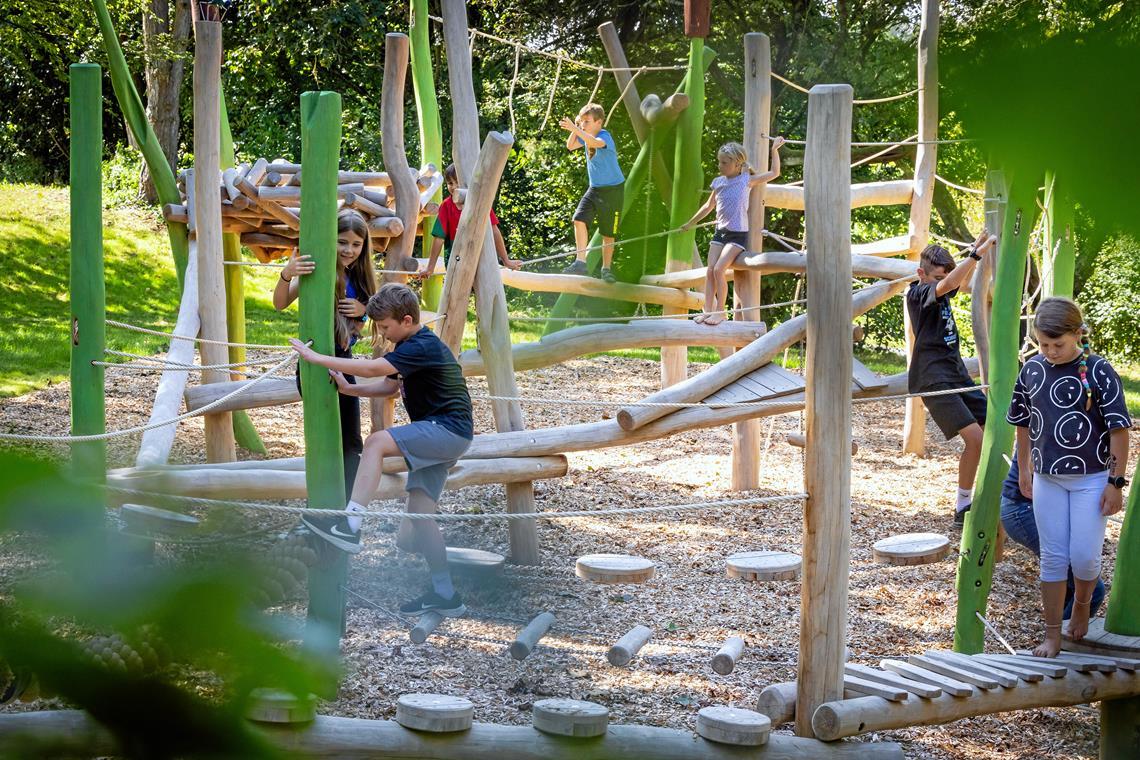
[
  {"x": 435, "y": 713},
  {"x": 474, "y": 562},
  {"x": 912, "y": 549},
  {"x": 570, "y": 717},
  {"x": 613, "y": 568},
  {"x": 733, "y": 725},
  {"x": 139, "y": 517},
  {"x": 278, "y": 706},
  {"x": 1098, "y": 641},
  {"x": 764, "y": 566}
]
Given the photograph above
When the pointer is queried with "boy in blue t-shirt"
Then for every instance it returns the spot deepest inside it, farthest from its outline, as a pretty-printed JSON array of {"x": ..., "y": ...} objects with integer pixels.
[
  {"x": 424, "y": 372},
  {"x": 604, "y": 197}
]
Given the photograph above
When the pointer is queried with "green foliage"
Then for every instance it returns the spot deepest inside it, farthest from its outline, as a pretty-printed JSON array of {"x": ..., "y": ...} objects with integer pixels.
[
  {"x": 121, "y": 178},
  {"x": 1111, "y": 298}
]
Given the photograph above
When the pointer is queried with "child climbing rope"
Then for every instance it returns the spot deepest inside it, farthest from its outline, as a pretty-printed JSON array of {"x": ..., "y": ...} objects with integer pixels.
[
  {"x": 936, "y": 361},
  {"x": 730, "y": 199},
  {"x": 425, "y": 373},
  {"x": 447, "y": 222},
  {"x": 603, "y": 199},
  {"x": 355, "y": 284},
  {"x": 1072, "y": 424}
]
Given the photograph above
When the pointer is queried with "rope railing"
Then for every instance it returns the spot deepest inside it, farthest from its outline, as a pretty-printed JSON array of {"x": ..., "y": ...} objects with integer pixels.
[
  {"x": 174, "y": 336},
  {"x": 168, "y": 364},
  {"x": 856, "y": 101},
  {"x": 652, "y": 317},
  {"x": 896, "y": 143},
  {"x": 151, "y": 426},
  {"x": 617, "y": 244},
  {"x": 956, "y": 186}
]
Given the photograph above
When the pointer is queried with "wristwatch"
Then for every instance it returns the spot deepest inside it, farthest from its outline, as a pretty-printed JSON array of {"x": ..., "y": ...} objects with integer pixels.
[
  {"x": 1119, "y": 481},
  {"x": 971, "y": 253}
]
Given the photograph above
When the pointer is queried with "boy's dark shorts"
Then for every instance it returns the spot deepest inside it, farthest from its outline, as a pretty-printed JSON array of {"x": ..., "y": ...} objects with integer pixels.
[
  {"x": 954, "y": 411},
  {"x": 725, "y": 236},
  {"x": 430, "y": 450},
  {"x": 604, "y": 205}
]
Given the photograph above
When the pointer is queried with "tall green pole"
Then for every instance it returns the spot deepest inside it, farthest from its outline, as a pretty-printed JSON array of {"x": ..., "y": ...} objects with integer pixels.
[
  {"x": 135, "y": 115},
  {"x": 88, "y": 296},
  {"x": 431, "y": 131},
  {"x": 688, "y": 176},
  {"x": 324, "y": 459},
  {"x": 1059, "y": 261},
  {"x": 979, "y": 536},
  {"x": 244, "y": 432}
]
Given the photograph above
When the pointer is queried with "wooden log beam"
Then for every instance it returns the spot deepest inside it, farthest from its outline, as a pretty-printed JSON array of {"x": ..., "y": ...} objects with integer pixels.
[
  {"x": 220, "y": 443},
  {"x": 774, "y": 262},
  {"x": 267, "y": 207},
  {"x": 827, "y": 465},
  {"x": 751, "y": 357},
  {"x": 392, "y": 148},
  {"x": 73, "y": 732},
  {"x": 889, "y": 193},
  {"x": 588, "y": 286},
  {"x": 223, "y": 483}
]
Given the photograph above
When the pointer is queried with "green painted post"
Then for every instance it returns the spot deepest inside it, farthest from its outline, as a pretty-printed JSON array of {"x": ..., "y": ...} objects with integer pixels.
[
  {"x": 431, "y": 131},
  {"x": 244, "y": 432},
  {"x": 1059, "y": 261},
  {"x": 1123, "y": 615},
  {"x": 324, "y": 459},
  {"x": 979, "y": 536},
  {"x": 88, "y": 295},
  {"x": 688, "y": 176},
  {"x": 135, "y": 115}
]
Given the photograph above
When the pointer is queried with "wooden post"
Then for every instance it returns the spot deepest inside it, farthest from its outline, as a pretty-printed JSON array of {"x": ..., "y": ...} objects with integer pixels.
[
  {"x": 1119, "y": 728},
  {"x": 697, "y": 18},
  {"x": 827, "y": 406},
  {"x": 431, "y": 130},
  {"x": 208, "y": 219},
  {"x": 324, "y": 459},
  {"x": 979, "y": 536},
  {"x": 88, "y": 293},
  {"x": 490, "y": 300},
  {"x": 392, "y": 148},
  {"x": 134, "y": 114},
  {"x": 688, "y": 181},
  {"x": 746, "y": 436},
  {"x": 925, "y": 164}
]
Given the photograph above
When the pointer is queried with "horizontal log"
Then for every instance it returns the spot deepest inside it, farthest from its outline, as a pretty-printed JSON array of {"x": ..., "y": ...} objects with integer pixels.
[
  {"x": 892, "y": 246},
  {"x": 268, "y": 241},
  {"x": 359, "y": 202},
  {"x": 218, "y": 483},
  {"x": 588, "y": 286},
  {"x": 385, "y": 226},
  {"x": 776, "y": 262},
  {"x": 173, "y": 212},
  {"x": 287, "y": 193},
  {"x": 848, "y": 717},
  {"x": 74, "y": 733},
  {"x": 862, "y": 194},
  {"x": 800, "y": 442}
]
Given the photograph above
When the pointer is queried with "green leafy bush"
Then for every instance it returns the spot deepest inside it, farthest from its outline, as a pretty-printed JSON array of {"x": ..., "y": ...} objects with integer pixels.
[{"x": 1110, "y": 298}]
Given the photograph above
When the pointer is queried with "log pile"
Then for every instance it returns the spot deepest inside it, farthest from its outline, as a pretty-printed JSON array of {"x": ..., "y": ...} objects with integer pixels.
[{"x": 261, "y": 202}]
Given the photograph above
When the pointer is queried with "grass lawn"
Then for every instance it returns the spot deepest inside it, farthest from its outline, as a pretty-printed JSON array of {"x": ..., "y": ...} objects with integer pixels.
[{"x": 142, "y": 289}]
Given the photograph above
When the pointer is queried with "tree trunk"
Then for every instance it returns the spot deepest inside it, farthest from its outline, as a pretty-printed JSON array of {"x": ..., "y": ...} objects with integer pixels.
[{"x": 164, "y": 43}]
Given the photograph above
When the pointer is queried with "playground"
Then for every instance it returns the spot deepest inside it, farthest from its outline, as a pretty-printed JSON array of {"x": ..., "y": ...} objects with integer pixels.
[{"x": 745, "y": 555}]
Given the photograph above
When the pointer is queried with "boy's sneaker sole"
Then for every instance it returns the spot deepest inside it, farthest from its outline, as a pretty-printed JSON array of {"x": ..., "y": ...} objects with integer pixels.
[
  {"x": 349, "y": 542},
  {"x": 449, "y": 612}
]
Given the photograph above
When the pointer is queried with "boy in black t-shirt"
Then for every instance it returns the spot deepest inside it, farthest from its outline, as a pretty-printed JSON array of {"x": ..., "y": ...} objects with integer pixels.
[
  {"x": 936, "y": 361},
  {"x": 425, "y": 373}
]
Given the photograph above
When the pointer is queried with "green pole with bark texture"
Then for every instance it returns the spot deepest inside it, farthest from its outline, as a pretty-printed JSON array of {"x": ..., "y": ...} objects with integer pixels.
[
  {"x": 88, "y": 295},
  {"x": 1059, "y": 261},
  {"x": 244, "y": 432},
  {"x": 979, "y": 535},
  {"x": 324, "y": 459},
  {"x": 431, "y": 131},
  {"x": 135, "y": 115}
]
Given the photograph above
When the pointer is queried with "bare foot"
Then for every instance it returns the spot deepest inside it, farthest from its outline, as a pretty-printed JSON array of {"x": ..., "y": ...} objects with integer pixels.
[
  {"x": 1079, "y": 621},
  {"x": 406, "y": 537},
  {"x": 712, "y": 320},
  {"x": 700, "y": 319},
  {"x": 1052, "y": 643}
]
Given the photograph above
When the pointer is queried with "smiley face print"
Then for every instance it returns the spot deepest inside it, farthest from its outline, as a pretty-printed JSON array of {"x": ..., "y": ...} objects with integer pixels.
[
  {"x": 1066, "y": 392},
  {"x": 1033, "y": 377},
  {"x": 1105, "y": 380},
  {"x": 1073, "y": 430},
  {"x": 1068, "y": 465}
]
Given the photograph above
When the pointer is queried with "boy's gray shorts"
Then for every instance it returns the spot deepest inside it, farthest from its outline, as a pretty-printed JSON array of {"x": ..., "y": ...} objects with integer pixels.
[{"x": 430, "y": 450}]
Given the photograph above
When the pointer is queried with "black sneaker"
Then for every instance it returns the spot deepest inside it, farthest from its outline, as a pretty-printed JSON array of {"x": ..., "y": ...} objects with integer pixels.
[
  {"x": 608, "y": 276},
  {"x": 960, "y": 515},
  {"x": 576, "y": 267},
  {"x": 335, "y": 530},
  {"x": 433, "y": 602}
]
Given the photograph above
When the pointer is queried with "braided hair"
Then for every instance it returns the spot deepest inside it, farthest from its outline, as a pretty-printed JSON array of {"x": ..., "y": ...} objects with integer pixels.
[{"x": 1061, "y": 316}]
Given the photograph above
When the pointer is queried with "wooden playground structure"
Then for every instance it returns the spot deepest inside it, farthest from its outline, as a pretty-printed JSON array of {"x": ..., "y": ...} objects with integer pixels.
[{"x": 221, "y": 206}]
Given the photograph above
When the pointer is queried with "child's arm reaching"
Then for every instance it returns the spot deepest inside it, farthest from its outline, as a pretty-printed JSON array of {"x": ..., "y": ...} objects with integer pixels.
[
  {"x": 773, "y": 165},
  {"x": 378, "y": 367},
  {"x": 702, "y": 212},
  {"x": 433, "y": 257},
  {"x": 1024, "y": 463},
  {"x": 578, "y": 136},
  {"x": 963, "y": 271},
  {"x": 288, "y": 285},
  {"x": 375, "y": 389}
]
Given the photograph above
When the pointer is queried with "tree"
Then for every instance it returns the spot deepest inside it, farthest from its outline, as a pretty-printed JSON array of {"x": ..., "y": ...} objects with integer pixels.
[{"x": 166, "y": 32}]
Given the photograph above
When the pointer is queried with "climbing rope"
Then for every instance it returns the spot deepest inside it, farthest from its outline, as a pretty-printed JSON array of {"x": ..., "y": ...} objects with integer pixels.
[
  {"x": 857, "y": 101},
  {"x": 168, "y": 364},
  {"x": 173, "y": 336},
  {"x": 617, "y": 243},
  {"x": 896, "y": 144},
  {"x": 151, "y": 426},
  {"x": 956, "y": 186},
  {"x": 621, "y": 96},
  {"x": 550, "y": 101},
  {"x": 651, "y": 317},
  {"x": 511, "y": 92}
]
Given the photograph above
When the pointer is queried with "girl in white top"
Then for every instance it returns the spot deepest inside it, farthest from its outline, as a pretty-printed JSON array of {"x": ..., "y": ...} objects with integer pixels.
[{"x": 730, "y": 199}]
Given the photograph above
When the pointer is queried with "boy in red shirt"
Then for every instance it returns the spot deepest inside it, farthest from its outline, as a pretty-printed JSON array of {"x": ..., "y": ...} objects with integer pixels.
[{"x": 447, "y": 222}]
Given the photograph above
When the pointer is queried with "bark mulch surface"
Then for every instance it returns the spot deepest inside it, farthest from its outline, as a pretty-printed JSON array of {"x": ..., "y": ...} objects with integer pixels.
[{"x": 690, "y": 603}]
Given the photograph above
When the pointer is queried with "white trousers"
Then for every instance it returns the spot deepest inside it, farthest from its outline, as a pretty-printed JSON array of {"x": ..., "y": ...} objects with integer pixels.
[{"x": 1066, "y": 509}]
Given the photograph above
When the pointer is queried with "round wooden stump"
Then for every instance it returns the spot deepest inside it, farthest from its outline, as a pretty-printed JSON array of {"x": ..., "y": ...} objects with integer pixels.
[
  {"x": 764, "y": 566},
  {"x": 437, "y": 713},
  {"x": 154, "y": 520},
  {"x": 463, "y": 561},
  {"x": 570, "y": 717},
  {"x": 613, "y": 568},
  {"x": 912, "y": 549},
  {"x": 733, "y": 725},
  {"x": 1100, "y": 642},
  {"x": 277, "y": 706}
]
